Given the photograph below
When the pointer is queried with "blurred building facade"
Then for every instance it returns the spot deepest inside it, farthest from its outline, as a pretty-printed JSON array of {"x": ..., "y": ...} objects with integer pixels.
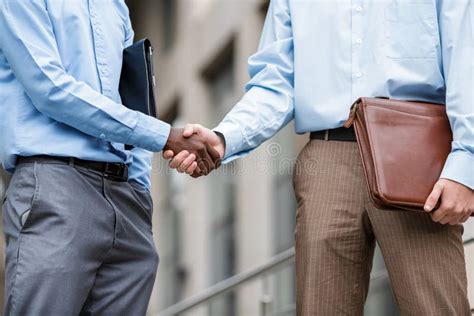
[{"x": 211, "y": 228}]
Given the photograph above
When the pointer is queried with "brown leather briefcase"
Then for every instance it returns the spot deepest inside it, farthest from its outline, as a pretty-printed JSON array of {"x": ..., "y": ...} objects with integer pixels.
[{"x": 403, "y": 146}]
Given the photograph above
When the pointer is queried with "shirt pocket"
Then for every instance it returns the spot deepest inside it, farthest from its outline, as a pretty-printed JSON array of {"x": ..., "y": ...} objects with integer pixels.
[{"x": 410, "y": 30}]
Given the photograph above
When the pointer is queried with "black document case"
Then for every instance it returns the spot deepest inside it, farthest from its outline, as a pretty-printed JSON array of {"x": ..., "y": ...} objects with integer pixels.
[{"x": 137, "y": 79}]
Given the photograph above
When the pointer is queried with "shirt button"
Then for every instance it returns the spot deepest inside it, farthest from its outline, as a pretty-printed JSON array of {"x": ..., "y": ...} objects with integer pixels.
[
  {"x": 359, "y": 74},
  {"x": 102, "y": 136},
  {"x": 359, "y": 41},
  {"x": 359, "y": 9}
]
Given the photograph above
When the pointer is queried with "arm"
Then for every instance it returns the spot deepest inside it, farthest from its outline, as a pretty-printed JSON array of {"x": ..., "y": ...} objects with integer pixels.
[
  {"x": 457, "y": 39},
  {"x": 268, "y": 104},
  {"x": 455, "y": 188},
  {"x": 28, "y": 42}
]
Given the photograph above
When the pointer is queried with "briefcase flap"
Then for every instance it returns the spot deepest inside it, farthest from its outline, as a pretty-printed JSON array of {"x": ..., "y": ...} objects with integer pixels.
[{"x": 404, "y": 146}]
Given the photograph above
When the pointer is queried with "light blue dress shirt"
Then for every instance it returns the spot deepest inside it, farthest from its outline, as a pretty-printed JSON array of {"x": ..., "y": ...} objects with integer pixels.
[
  {"x": 317, "y": 57},
  {"x": 60, "y": 64}
]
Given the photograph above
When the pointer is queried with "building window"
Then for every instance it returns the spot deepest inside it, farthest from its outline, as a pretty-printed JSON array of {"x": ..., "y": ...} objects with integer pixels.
[{"x": 219, "y": 78}]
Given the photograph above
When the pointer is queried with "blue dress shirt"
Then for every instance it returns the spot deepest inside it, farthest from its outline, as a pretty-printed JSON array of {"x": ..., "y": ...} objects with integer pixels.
[
  {"x": 317, "y": 57},
  {"x": 60, "y": 64}
]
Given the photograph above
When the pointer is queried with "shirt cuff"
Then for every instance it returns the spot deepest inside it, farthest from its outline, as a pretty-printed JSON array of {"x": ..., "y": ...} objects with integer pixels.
[
  {"x": 459, "y": 167},
  {"x": 149, "y": 133},
  {"x": 234, "y": 141}
]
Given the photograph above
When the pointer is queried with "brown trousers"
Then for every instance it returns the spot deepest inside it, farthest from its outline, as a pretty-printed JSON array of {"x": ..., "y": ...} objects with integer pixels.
[{"x": 336, "y": 230}]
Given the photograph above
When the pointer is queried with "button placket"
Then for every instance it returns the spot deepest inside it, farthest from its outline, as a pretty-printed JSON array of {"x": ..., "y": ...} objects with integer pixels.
[
  {"x": 99, "y": 50},
  {"x": 357, "y": 12}
]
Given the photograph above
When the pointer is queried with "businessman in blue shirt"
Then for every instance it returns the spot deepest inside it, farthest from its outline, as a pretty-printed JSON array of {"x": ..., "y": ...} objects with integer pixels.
[
  {"x": 77, "y": 212},
  {"x": 315, "y": 59}
]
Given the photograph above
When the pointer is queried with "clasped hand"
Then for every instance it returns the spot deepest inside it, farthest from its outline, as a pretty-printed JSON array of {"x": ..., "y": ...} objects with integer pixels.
[{"x": 194, "y": 150}]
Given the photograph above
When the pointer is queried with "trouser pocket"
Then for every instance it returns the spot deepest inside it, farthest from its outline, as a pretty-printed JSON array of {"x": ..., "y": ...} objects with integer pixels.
[{"x": 21, "y": 197}]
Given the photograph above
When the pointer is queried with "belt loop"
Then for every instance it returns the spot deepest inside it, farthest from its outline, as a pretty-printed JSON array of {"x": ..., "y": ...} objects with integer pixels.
[
  {"x": 326, "y": 135},
  {"x": 71, "y": 161}
]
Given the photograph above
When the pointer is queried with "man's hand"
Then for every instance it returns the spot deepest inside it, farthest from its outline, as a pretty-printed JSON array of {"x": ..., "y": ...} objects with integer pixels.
[
  {"x": 195, "y": 156},
  {"x": 456, "y": 202},
  {"x": 184, "y": 162}
]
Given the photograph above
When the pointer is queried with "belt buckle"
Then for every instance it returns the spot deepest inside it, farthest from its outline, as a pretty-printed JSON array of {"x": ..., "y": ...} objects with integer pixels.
[{"x": 116, "y": 171}]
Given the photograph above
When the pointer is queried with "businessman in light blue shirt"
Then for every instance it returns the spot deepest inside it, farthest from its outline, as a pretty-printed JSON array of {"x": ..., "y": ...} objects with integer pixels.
[
  {"x": 77, "y": 212},
  {"x": 314, "y": 60}
]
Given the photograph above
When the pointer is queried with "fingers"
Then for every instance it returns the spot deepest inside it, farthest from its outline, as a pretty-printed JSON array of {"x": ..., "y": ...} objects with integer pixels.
[
  {"x": 196, "y": 175},
  {"x": 433, "y": 198},
  {"x": 192, "y": 168},
  {"x": 191, "y": 129},
  {"x": 183, "y": 167},
  {"x": 438, "y": 216},
  {"x": 465, "y": 218},
  {"x": 443, "y": 214},
  {"x": 205, "y": 162},
  {"x": 450, "y": 213},
  {"x": 216, "y": 157},
  {"x": 209, "y": 159},
  {"x": 168, "y": 154},
  {"x": 178, "y": 159}
]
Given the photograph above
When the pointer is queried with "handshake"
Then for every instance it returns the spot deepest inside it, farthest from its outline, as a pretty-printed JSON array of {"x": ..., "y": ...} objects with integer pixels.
[{"x": 194, "y": 150}]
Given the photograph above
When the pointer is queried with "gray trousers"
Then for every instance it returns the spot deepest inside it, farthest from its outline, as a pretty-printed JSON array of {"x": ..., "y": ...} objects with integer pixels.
[{"x": 76, "y": 243}]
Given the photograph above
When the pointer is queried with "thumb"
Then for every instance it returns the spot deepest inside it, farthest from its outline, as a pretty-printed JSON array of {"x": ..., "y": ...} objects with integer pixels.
[
  {"x": 168, "y": 154},
  {"x": 433, "y": 198},
  {"x": 191, "y": 129}
]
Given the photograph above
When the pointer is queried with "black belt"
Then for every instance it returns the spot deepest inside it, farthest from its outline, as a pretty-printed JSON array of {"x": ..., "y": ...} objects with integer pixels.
[
  {"x": 338, "y": 134},
  {"x": 114, "y": 171}
]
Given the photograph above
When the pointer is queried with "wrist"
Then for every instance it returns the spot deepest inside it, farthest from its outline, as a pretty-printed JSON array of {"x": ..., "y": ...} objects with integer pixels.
[
  {"x": 221, "y": 145},
  {"x": 171, "y": 136}
]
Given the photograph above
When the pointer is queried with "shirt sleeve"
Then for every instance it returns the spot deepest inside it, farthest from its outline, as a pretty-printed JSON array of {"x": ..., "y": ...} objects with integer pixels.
[
  {"x": 268, "y": 104},
  {"x": 28, "y": 43},
  {"x": 456, "y": 22}
]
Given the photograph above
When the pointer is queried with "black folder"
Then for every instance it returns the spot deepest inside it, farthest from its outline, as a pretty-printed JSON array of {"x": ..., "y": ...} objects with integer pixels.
[{"x": 137, "y": 80}]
